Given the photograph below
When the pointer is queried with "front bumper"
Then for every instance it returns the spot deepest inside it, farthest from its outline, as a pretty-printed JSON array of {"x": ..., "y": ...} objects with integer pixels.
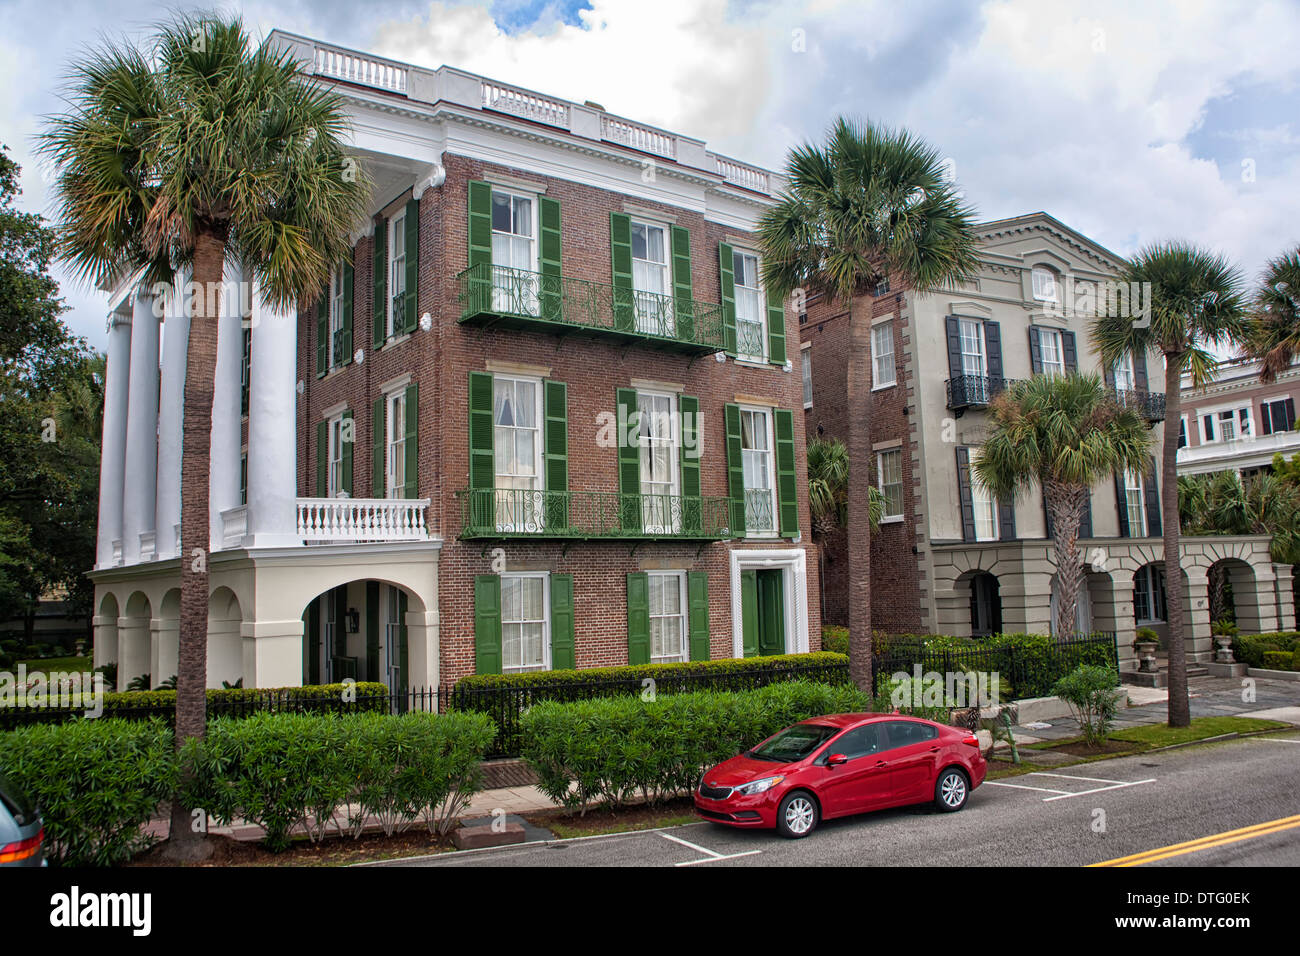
[{"x": 756, "y": 812}]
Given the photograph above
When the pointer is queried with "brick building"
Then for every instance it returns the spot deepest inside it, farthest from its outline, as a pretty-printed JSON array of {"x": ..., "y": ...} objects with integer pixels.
[
  {"x": 949, "y": 559},
  {"x": 1237, "y": 422},
  {"x": 544, "y": 417}
]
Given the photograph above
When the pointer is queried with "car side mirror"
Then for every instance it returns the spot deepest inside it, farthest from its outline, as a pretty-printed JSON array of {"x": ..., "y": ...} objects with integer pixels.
[{"x": 834, "y": 760}]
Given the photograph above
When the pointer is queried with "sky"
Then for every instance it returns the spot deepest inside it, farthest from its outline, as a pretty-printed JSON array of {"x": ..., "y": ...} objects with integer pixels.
[{"x": 1132, "y": 122}]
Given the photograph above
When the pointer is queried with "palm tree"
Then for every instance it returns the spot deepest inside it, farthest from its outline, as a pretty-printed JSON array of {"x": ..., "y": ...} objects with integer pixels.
[
  {"x": 1064, "y": 433},
  {"x": 191, "y": 151},
  {"x": 828, "y": 487},
  {"x": 870, "y": 205},
  {"x": 1195, "y": 304},
  {"x": 1274, "y": 334}
]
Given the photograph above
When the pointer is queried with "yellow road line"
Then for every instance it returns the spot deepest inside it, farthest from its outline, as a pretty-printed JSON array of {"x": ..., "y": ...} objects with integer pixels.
[{"x": 1205, "y": 843}]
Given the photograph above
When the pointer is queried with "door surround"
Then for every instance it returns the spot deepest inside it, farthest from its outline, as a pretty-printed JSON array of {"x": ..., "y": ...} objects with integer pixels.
[{"x": 795, "y": 560}]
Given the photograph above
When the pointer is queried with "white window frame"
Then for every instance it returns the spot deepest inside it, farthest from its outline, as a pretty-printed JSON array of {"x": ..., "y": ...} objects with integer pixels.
[
  {"x": 758, "y": 295},
  {"x": 1217, "y": 412},
  {"x": 396, "y": 269},
  {"x": 530, "y": 516},
  {"x": 982, "y": 500},
  {"x": 335, "y": 314},
  {"x": 683, "y": 615},
  {"x": 964, "y": 325},
  {"x": 1151, "y": 574},
  {"x": 655, "y": 519},
  {"x": 770, "y": 453},
  {"x": 647, "y": 319},
  {"x": 1185, "y": 433},
  {"x": 1051, "y": 339},
  {"x": 534, "y": 242},
  {"x": 546, "y": 665},
  {"x": 805, "y": 361},
  {"x": 1124, "y": 363},
  {"x": 884, "y": 373},
  {"x": 1039, "y": 277},
  {"x": 886, "y": 516},
  {"x": 1135, "y": 482},
  {"x": 1276, "y": 400},
  {"x": 394, "y": 480},
  {"x": 334, "y": 456}
]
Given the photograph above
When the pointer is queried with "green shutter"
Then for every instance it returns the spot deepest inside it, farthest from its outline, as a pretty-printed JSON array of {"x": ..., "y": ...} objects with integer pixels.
[
  {"x": 556, "y": 452},
  {"x": 735, "y": 470},
  {"x": 372, "y": 631},
  {"x": 411, "y": 436},
  {"x": 749, "y": 613},
  {"x": 550, "y": 256},
  {"x": 480, "y": 224},
  {"x": 775, "y": 328},
  {"x": 378, "y": 308},
  {"x": 683, "y": 297},
  {"x": 409, "y": 297},
  {"x": 692, "y": 505},
  {"x": 322, "y": 334},
  {"x": 787, "y": 496},
  {"x": 638, "y": 618},
  {"x": 620, "y": 244},
  {"x": 482, "y": 462},
  {"x": 379, "y": 449},
  {"x": 562, "y": 651},
  {"x": 697, "y": 601},
  {"x": 629, "y": 461},
  {"x": 322, "y": 458},
  {"x": 313, "y": 642},
  {"x": 347, "y": 428},
  {"x": 346, "y": 322},
  {"x": 727, "y": 269},
  {"x": 487, "y": 624}
]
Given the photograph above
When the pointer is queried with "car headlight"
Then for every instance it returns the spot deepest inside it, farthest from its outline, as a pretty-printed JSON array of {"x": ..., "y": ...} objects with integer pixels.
[{"x": 758, "y": 786}]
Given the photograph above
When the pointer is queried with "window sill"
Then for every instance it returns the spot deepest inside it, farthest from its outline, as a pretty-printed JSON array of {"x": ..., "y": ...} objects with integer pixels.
[
  {"x": 881, "y": 388},
  {"x": 395, "y": 341},
  {"x": 807, "y": 406},
  {"x": 892, "y": 519},
  {"x": 748, "y": 361}
]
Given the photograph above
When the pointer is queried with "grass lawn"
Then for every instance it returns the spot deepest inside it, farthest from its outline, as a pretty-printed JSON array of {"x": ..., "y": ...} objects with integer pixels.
[
  {"x": 1152, "y": 736},
  {"x": 48, "y": 665}
]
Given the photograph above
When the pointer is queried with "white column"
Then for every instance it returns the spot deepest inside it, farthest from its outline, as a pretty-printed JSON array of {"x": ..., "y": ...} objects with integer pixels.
[
  {"x": 138, "y": 501},
  {"x": 171, "y": 406},
  {"x": 272, "y": 423},
  {"x": 223, "y": 480},
  {"x": 112, "y": 461}
]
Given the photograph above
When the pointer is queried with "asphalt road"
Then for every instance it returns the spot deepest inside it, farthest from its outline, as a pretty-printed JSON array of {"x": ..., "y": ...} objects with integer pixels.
[{"x": 1080, "y": 815}]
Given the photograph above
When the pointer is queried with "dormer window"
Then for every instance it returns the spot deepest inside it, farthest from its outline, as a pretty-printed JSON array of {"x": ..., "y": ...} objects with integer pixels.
[{"x": 1044, "y": 281}]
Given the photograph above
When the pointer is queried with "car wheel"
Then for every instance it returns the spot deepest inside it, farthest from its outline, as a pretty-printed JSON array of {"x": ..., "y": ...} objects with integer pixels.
[
  {"x": 797, "y": 815},
  {"x": 951, "y": 790}
]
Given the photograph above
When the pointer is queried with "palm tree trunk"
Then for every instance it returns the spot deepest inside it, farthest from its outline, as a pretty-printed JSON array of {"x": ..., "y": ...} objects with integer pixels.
[
  {"x": 1180, "y": 714},
  {"x": 859, "y": 503},
  {"x": 192, "y": 666},
  {"x": 1065, "y": 503}
]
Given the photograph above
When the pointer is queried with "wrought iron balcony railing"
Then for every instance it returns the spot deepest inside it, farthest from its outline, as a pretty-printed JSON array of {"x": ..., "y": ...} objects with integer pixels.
[
  {"x": 515, "y": 512},
  {"x": 974, "y": 391},
  {"x": 749, "y": 339},
  {"x": 759, "y": 517},
  {"x": 1150, "y": 405},
  {"x": 520, "y": 298}
]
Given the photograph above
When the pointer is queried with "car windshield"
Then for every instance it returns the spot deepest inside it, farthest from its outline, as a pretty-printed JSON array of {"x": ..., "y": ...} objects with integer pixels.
[
  {"x": 793, "y": 743},
  {"x": 13, "y": 800}
]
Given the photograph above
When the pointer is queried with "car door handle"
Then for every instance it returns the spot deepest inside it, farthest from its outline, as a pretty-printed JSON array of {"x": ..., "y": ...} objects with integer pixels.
[{"x": 934, "y": 750}]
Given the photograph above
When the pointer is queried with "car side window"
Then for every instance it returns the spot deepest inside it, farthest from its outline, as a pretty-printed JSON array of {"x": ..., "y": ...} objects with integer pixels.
[
  {"x": 857, "y": 742},
  {"x": 903, "y": 733}
]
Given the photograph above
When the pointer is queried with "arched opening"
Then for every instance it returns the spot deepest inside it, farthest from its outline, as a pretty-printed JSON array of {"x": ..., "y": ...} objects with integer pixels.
[
  {"x": 105, "y": 624},
  {"x": 164, "y": 652},
  {"x": 1231, "y": 581},
  {"x": 225, "y": 647},
  {"x": 985, "y": 604},
  {"x": 133, "y": 644},
  {"x": 359, "y": 631},
  {"x": 1083, "y": 606}
]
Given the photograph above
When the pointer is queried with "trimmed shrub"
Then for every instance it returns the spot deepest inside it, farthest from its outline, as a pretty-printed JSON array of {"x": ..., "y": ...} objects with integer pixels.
[
  {"x": 835, "y": 639},
  {"x": 1093, "y": 697},
  {"x": 611, "y": 749},
  {"x": 317, "y": 699},
  {"x": 1250, "y": 649},
  {"x": 1279, "y": 660},
  {"x": 97, "y": 783}
]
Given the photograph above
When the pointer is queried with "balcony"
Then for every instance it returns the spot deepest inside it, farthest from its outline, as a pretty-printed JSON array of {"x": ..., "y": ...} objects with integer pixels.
[
  {"x": 974, "y": 391},
  {"x": 1150, "y": 405},
  {"x": 354, "y": 520},
  {"x": 516, "y": 298},
  {"x": 526, "y": 513}
]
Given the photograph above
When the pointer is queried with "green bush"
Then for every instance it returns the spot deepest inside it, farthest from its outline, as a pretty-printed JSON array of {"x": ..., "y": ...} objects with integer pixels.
[
  {"x": 318, "y": 698},
  {"x": 1146, "y": 635},
  {"x": 96, "y": 781},
  {"x": 835, "y": 639},
  {"x": 281, "y": 770},
  {"x": 1280, "y": 660},
  {"x": 610, "y": 749},
  {"x": 1093, "y": 696},
  {"x": 1250, "y": 649}
]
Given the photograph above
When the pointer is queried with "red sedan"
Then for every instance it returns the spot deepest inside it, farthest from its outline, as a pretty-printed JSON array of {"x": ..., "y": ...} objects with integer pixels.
[{"x": 839, "y": 765}]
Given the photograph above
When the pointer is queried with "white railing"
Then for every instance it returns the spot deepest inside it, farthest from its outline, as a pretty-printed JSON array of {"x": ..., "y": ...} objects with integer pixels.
[
  {"x": 148, "y": 545},
  {"x": 340, "y": 64},
  {"x": 741, "y": 174},
  {"x": 362, "y": 519},
  {"x": 541, "y": 109},
  {"x": 234, "y": 525},
  {"x": 645, "y": 138}
]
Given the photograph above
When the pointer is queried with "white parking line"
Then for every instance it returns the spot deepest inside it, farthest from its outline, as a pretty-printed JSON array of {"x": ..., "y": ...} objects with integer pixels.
[
  {"x": 1275, "y": 740},
  {"x": 1066, "y": 794},
  {"x": 1020, "y": 786},
  {"x": 711, "y": 856},
  {"x": 1116, "y": 786}
]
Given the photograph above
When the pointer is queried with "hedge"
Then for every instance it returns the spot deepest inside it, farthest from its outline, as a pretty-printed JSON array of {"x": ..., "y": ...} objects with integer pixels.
[
  {"x": 281, "y": 770},
  {"x": 97, "y": 782},
  {"x": 317, "y": 698},
  {"x": 1250, "y": 649},
  {"x": 611, "y": 749}
]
